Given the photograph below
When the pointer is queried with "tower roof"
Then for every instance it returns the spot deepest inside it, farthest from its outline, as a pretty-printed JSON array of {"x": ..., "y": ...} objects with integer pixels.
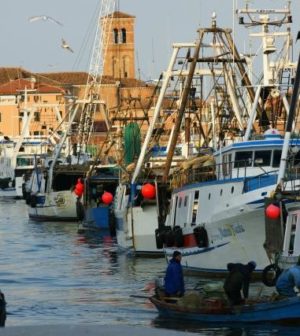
[{"x": 120, "y": 15}]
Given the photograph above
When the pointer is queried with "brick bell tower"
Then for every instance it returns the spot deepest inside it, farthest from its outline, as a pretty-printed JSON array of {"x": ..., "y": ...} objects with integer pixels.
[{"x": 120, "y": 54}]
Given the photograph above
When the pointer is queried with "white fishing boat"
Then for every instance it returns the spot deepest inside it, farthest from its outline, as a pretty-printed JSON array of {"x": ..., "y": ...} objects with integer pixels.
[
  {"x": 218, "y": 211},
  {"x": 50, "y": 192},
  {"x": 282, "y": 210},
  {"x": 137, "y": 214},
  {"x": 17, "y": 157}
]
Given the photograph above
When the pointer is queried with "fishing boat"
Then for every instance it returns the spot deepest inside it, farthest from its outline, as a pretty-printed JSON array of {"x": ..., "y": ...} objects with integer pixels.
[
  {"x": 50, "y": 191},
  {"x": 17, "y": 158},
  {"x": 14, "y": 178},
  {"x": 218, "y": 310},
  {"x": 219, "y": 208},
  {"x": 97, "y": 213},
  {"x": 282, "y": 211},
  {"x": 60, "y": 201}
]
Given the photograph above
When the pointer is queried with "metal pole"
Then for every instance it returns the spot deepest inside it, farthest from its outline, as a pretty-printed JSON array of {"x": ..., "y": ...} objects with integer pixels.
[{"x": 182, "y": 107}]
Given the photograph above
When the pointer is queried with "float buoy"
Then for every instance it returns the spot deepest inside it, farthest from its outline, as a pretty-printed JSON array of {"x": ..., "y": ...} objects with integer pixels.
[
  {"x": 107, "y": 198},
  {"x": 270, "y": 275},
  {"x": 272, "y": 211},
  {"x": 148, "y": 191}
]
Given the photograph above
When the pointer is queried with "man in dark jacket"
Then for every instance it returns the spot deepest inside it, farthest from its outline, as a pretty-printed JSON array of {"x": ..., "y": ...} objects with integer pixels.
[
  {"x": 174, "y": 283},
  {"x": 238, "y": 280}
]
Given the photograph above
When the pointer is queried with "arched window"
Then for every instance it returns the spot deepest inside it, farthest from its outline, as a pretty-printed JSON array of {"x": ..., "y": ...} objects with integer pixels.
[
  {"x": 116, "y": 36},
  {"x": 123, "y": 35}
]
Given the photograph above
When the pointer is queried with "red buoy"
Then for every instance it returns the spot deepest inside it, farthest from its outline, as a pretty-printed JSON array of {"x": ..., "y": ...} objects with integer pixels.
[
  {"x": 78, "y": 192},
  {"x": 272, "y": 211},
  {"x": 148, "y": 190},
  {"x": 107, "y": 197},
  {"x": 80, "y": 187}
]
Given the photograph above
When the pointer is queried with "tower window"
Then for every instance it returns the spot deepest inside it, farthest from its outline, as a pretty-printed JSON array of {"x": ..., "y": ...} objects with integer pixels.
[
  {"x": 123, "y": 35},
  {"x": 116, "y": 36},
  {"x": 37, "y": 116}
]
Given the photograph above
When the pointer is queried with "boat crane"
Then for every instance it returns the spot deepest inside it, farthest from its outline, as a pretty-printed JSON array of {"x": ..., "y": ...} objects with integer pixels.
[
  {"x": 92, "y": 100},
  {"x": 274, "y": 65}
]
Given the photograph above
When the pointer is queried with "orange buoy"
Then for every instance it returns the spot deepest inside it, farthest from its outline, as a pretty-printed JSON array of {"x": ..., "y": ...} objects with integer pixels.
[
  {"x": 148, "y": 190},
  {"x": 272, "y": 211},
  {"x": 107, "y": 197}
]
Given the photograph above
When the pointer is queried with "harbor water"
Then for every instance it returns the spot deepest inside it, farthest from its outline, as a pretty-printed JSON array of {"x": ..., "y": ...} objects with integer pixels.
[{"x": 52, "y": 275}]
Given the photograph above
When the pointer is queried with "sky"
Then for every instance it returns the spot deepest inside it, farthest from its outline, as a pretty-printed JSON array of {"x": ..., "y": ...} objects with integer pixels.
[{"x": 36, "y": 46}]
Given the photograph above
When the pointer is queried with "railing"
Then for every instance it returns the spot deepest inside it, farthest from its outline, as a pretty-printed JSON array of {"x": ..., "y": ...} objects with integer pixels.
[{"x": 222, "y": 172}]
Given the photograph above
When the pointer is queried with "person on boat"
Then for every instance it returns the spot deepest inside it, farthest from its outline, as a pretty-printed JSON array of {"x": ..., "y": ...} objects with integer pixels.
[
  {"x": 2, "y": 309},
  {"x": 288, "y": 280},
  {"x": 174, "y": 282},
  {"x": 237, "y": 281}
]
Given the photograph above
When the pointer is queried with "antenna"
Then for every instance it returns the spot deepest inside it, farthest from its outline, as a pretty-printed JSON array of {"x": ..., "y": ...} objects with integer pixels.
[{"x": 138, "y": 64}]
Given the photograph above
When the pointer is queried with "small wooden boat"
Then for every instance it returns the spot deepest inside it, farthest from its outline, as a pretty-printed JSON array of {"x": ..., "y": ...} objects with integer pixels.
[{"x": 219, "y": 310}]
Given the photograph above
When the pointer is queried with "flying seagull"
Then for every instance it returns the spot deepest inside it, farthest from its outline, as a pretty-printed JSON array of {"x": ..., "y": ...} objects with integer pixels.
[
  {"x": 65, "y": 45},
  {"x": 44, "y": 18}
]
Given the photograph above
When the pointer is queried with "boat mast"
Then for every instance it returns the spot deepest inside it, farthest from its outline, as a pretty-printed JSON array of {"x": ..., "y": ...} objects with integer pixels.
[
  {"x": 167, "y": 75},
  {"x": 290, "y": 121},
  {"x": 181, "y": 110},
  {"x": 272, "y": 69},
  {"x": 27, "y": 117}
]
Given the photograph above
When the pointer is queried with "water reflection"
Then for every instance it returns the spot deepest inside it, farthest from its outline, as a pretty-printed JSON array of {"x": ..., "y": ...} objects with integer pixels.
[
  {"x": 207, "y": 329},
  {"x": 50, "y": 274}
]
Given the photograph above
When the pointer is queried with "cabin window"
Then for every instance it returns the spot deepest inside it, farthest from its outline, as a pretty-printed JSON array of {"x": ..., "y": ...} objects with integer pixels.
[
  {"x": 232, "y": 189},
  {"x": 123, "y": 35},
  {"x": 195, "y": 207},
  {"x": 296, "y": 159},
  {"x": 243, "y": 159},
  {"x": 185, "y": 201},
  {"x": 179, "y": 203},
  {"x": 221, "y": 192},
  {"x": 293, "y": 232},
  {"x": 116, "y": 36},
  {"x": 209, "y": 196},
  {"x": 262, "y": 158},
  {"x": 37, "y": 116},
  {"x": 227, "y": 165},
  {"x": 276, "y": 158}
]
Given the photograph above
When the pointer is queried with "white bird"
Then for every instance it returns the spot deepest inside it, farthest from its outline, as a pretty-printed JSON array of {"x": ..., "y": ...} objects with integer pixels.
[
  {"x": 44, "y": 18},
  {"x": 65, "y": 45}
]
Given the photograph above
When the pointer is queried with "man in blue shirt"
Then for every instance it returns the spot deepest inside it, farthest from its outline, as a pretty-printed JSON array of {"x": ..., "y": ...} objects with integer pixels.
[
  {"x": 288, "y": 280},
  {"x": 174, "y": 283}
]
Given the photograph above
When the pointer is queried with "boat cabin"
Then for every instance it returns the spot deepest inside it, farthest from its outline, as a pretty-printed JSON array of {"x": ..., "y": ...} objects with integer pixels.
[{"x": 252, "y": 158}]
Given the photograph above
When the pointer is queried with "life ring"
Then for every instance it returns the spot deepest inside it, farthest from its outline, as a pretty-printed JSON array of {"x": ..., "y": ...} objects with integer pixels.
[
  {"x": 24, "y": 191},
  {"x": 159, "y": 239},
  {"x": 201, "y": 236},
  {"x": 112, "y": 224},
  {"x": 270, "y": 275},
  {"x": 178, "y": 236},
  {"x": 33, "y": 201},
  {"x": 80, "y": 210}
]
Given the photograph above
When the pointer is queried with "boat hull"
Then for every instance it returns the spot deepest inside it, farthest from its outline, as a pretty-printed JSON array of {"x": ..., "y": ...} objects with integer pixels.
[
  {"x": 281, "y": 310},
  {"x": 234, "y": 221},
  {"x": 54, "y": 206},
  {"x": 135, "y": 230}
]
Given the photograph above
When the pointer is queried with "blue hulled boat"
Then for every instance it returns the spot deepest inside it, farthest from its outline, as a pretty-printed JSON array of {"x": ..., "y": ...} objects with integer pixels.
[{"x": 218, "y": 310}]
